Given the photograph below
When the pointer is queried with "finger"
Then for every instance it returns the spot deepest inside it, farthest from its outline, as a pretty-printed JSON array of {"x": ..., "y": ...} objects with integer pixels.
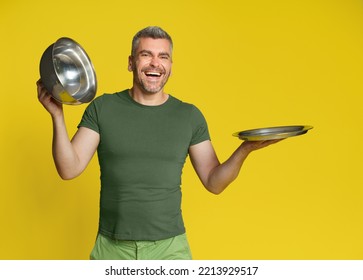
[
  {"x": 270, "y": 142},
  {"x": 41, "y": 89},
  {"x": 277, "y": 140},
  {"x": 43, "y": 93}
]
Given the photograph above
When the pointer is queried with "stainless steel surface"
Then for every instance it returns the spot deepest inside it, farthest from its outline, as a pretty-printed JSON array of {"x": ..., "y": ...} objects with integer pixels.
[
  {"x": 67, "y": 72},
  {"x": 271, "y": 133}
]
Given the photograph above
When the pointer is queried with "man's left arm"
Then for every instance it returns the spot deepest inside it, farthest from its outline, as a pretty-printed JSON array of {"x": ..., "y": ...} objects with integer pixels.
[{"x": 214, "y": 175}]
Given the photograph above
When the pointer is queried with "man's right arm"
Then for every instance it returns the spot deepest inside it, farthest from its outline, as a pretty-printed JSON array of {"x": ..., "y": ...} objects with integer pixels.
[{"x": 70, "y": 157}]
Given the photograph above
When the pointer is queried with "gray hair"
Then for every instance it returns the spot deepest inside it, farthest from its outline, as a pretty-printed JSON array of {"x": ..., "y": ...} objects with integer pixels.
[{"x": 153, "y": 32}]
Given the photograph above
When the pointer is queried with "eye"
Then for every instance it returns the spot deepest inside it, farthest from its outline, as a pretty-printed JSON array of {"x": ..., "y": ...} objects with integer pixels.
[{"x": 145, "y": 54}]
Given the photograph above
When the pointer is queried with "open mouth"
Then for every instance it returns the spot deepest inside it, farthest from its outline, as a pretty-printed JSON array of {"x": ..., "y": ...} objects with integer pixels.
[{"x": 152, "y": 74}]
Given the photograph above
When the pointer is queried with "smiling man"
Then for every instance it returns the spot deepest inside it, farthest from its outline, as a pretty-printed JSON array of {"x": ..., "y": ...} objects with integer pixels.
[
  {"x": 150, "y": 63},
  {"x": 143, "y": 136}
]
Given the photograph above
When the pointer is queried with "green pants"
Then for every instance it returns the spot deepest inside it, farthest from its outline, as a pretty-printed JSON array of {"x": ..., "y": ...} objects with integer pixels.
[{"x": 175, "y": 248}]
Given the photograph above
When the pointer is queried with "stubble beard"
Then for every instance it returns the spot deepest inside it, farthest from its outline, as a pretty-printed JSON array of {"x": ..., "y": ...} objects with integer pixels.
[{"x": 149, "y": 87}]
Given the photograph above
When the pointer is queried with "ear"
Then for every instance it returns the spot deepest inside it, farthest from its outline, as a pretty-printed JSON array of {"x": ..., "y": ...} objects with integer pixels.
[{"x": 129, "y": 67}]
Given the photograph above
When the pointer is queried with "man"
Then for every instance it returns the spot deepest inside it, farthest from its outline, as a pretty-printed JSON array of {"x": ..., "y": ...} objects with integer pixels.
[{"x": 143, "y": 136}]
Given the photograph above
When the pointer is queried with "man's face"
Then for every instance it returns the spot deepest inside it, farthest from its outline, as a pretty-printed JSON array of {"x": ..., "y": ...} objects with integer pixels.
[{"x": 151, "y": 64}]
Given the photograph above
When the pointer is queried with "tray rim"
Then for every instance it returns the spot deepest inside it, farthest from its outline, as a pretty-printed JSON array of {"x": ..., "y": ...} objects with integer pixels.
[{"x": 272, "y": 135}]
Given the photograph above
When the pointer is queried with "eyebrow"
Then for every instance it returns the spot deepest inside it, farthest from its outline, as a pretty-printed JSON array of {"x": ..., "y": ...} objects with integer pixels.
[
  {"x": 165, "y": 53},
  {"x": 150, "y": 52}
]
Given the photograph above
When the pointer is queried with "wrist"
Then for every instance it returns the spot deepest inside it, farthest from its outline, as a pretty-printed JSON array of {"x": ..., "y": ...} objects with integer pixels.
[
  {"x": 246, "y": 147},
  {"x": 57, "y": 116}
]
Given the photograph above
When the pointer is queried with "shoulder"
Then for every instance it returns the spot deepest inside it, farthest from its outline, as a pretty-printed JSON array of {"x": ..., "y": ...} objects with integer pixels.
[
  {"x": 189, "y": 112},
  {"x": 108, "y": 97},
  {"x": 184, "y": 105}
]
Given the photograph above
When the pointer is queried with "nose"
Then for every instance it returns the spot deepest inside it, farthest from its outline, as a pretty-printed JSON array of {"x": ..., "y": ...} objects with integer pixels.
[{"x": 155, "y": 62}]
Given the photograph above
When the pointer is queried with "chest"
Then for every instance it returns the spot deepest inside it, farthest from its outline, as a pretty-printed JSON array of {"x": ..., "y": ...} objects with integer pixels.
[{"x": 132, "y": 132}]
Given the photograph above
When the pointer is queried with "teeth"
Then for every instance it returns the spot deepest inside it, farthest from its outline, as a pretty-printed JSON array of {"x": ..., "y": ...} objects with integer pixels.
[{"x": 153, "y": 74}]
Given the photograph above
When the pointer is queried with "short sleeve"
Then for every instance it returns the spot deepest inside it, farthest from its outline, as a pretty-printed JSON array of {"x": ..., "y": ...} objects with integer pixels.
[
  {"x": 90, "y": 117},
  {"x": 200, "y": 127}
]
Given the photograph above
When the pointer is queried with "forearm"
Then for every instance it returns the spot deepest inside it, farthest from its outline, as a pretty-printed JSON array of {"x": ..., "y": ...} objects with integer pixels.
[
  {"x": 64, "y": 155},
  {"x": 224, "y": 174},
  {"x": 67, "y": 161}
]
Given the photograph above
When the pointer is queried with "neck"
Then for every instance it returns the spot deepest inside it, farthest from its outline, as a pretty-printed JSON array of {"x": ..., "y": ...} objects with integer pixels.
[{"x": 148, "y": 99}]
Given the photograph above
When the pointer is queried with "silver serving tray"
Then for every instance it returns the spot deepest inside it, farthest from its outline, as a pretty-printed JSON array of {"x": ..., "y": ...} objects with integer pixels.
[{"x": 272, "y": 133}]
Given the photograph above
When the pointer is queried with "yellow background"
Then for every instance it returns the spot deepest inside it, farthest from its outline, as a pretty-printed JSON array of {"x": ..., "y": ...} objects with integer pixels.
[{"x": 245, "y": 64}]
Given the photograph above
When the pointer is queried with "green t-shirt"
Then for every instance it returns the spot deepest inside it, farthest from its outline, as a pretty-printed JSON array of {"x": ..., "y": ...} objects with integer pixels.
[{"x": 141, "y": 153}]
